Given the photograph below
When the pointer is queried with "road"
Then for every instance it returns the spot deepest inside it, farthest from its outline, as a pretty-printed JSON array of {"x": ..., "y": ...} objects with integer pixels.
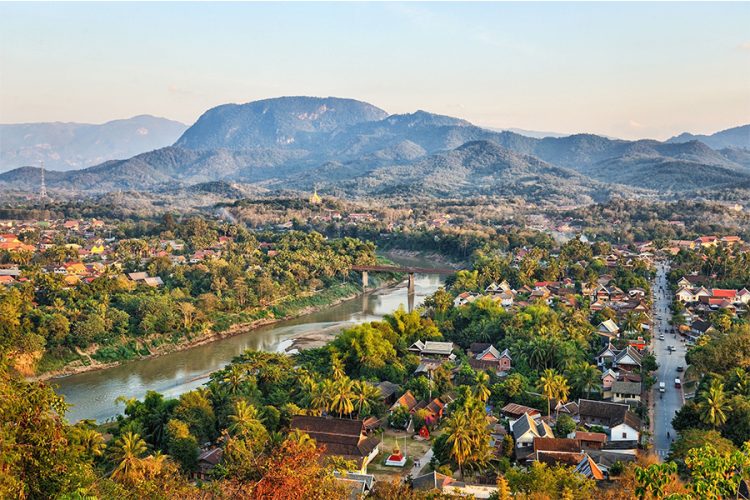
[{"x": 665, "y": 404}]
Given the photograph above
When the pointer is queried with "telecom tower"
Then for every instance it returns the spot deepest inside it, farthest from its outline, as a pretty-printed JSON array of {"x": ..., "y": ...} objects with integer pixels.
[{"x": 43, "y": 187}]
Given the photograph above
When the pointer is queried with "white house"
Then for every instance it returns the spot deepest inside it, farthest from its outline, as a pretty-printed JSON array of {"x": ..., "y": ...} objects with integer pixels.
[{"x": 525, "y": 429}]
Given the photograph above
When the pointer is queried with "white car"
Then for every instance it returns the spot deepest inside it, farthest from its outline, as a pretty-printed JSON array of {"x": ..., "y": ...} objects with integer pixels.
[
  {"x": 661, "y": 337},
  {"x": 662, "y": 387}
]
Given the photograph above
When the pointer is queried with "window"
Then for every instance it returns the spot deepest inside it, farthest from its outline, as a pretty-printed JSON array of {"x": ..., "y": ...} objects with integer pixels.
[{"x": 624, "y": 435}]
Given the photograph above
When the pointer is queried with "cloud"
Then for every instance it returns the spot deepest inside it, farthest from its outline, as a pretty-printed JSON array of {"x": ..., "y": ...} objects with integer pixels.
[
  {"x": 635, "y": 124},
  {"x": 744, "y": 47}
]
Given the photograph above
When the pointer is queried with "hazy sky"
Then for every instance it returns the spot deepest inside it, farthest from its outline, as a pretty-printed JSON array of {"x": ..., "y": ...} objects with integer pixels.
[{"x": 627, "y": 70}]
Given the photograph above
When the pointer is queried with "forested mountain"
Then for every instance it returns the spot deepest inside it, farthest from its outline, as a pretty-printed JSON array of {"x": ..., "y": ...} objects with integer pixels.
[
  {"x": 736, "y": 137},
  {"x": 283, "y": 122},
  {"x": 69, "y": 146},
  {"x": 348, "y": 146}
]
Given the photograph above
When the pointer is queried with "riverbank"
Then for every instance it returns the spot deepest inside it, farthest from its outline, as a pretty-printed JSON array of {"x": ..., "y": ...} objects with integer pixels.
[{"x": 294, "y": 308}]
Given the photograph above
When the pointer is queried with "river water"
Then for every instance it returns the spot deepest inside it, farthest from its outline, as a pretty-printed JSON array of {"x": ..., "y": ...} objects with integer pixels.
[{"x": 92, "y": 394}]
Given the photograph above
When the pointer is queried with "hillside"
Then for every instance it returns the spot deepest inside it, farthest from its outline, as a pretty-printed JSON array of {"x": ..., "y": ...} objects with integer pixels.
[
  {"x": 283, "y": 122},
  {"x": 69, "y": 146},
  {"x": 736, "y": 137},
  {"x": 353, "y": 147},
  {"x": 474, "y": 169}
]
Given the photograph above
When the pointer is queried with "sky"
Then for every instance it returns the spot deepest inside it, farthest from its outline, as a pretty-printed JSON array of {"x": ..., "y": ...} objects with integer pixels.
[{"x": 628, "y": 70}]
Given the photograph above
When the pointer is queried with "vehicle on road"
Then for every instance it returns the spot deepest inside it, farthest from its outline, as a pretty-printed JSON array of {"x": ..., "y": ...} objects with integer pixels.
[
  {"x": 661, "y": 337},
  {"x": 662, "y": 387},
  {"x": 680, "y": 369},
  {"x": 677, "y": 383}
]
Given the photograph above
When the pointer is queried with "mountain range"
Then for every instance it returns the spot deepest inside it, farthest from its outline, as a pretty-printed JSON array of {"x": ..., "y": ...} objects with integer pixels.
[
  {"x": 69, "y": 146},
  {"x": 353, "y": 148}
]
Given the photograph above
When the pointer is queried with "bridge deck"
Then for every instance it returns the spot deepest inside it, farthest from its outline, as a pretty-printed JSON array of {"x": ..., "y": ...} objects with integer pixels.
[{"x": 403, "y": 269}]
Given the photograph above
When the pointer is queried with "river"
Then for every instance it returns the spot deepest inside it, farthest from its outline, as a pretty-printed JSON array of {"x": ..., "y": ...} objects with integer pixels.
[{"x": 92, "y": 394}]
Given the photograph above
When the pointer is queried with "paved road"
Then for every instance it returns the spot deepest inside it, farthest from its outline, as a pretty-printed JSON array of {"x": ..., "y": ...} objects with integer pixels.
[{"x": 665, "y": 404}]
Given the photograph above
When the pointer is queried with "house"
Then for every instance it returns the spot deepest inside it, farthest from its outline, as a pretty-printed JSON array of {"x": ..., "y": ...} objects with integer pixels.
[
  {"x": 623, "y": 424},
  {"x": 138, "y": 276},
  {"x": 6, "y": 280},
  {"x": 525, "y": 429},
  {"x": 357, "y": 485},
  {"x": 608, "y": 329},
  {"x": 607, "y": 356},
  {"x": 700, "y": 327},
  {"x": 433, "y": 348},
  {"x": 207, "y": 460},
  {"x": 626, "y": 392},
  {"x": 465, "y": 298},
  {"x": 491, "y": 359},
  {"x": 407, "y": 400},
  {"x": 593, "y": 440},
  {"x": 609, "y": 377},
  {"x": 432, "y": 481},
  {"x": 590, "y": 469},
  {"x": 628, "y": 358},
  {"x": 340, "y": 436},
  {"x": 706, "y": 241},
  {"x": 388, "y": 390},
  {"x": 515, "y": 411}
]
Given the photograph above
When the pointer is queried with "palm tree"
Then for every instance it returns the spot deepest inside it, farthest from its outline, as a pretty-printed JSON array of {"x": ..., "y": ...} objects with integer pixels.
[
  {"x": 302, "y": 438},
  {"x": 341, "y": 400},
  {"x": 481, "y": 389},
  {"x": 547, "y": 384},
  {"x": 460, "y": 439},
  {"x": 245, "y": 416},
  {"x": 90, "y": 441},
  {"x": 562, "y": 389},
  {"x": 233, "y": 379},
  {"x": 741, "y": 384},
  {"x": 585, "y": 378},
  {"x": 713, "y": 405},
  {"x": 127, "y": 453},
  {"x": 366, "y": 396},
  {"x": 320, "y": 397},
  {"x": 337, "y": 367}
]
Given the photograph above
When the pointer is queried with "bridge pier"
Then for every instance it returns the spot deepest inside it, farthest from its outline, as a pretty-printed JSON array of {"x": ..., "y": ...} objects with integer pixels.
[{"x": 365, "y": 279}]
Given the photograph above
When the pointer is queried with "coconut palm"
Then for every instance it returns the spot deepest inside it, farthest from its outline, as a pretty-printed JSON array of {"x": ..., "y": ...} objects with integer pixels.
[
  {"x": 547, "y": 384},
  {"x": 481, "y": 389},
  {"x": 460, "y": 439},
  {"x": 90, "y": 441},
  {"x": 713, "y": 405},
  {"x": 320, "y": 397},
  {"x": 366, "y": 396},
  {"x": 342, "y": 397},
  {"x": 584, "y": 378},
  {"x": 127, "y": 453},
  {"x": 244, "y": 418}
]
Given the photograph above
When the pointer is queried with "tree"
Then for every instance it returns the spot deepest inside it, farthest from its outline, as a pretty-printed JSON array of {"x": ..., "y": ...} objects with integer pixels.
[
  {"x": 584, "y": 378},
  {"x": 713, "y": 404},
  {"x": 342, "y": 397},
  {"x": 181, "y": 445},
  {"x": 481, "y": 391},
  {"x": 366, "y": 397},
  {"x": 553, "y": 385},
  {"x": 564, "y": 426},
  {"x": 460, "y": 439},
  {"x": 715, "y": 474},
  {"x": 652, "y": 480},
  {"x": 126, "y": 454},
  {"x": 196, "y": 411},
  {"x": 697, "y": 438}
]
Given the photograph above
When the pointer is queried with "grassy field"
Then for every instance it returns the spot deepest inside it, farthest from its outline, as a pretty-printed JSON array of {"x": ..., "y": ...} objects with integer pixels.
[{"x": 412, "y": 448}]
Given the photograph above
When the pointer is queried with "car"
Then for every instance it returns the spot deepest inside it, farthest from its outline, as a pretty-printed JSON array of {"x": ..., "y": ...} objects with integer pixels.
[
  {"x": 661, "y": 337},
  {"x": 677, "y": 383},
  {"x": 680, "y": 369},
  {"x": 662, "y": 387}
]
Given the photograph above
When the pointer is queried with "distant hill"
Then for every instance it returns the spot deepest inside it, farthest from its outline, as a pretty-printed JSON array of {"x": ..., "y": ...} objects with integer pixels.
[
  {"x": 283, "y": 122},
  {"x": 70, "y": 146},
  {"x": 736, "y": 137},
  {"x": 355, "y": 148}
]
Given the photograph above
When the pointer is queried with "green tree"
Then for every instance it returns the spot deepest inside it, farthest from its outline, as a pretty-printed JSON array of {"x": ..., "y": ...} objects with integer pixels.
[{"x": 713, "y": 404}]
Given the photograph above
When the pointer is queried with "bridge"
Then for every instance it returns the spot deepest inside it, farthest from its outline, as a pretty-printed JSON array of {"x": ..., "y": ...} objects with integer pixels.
[{"x": 411, "y": 271}]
